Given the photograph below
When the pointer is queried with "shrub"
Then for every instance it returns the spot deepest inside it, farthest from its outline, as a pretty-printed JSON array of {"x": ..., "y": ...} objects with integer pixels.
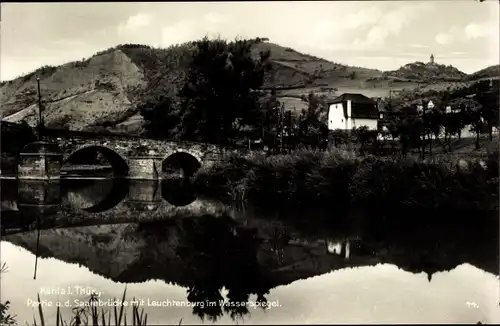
[{"x": 342, "y": 179}]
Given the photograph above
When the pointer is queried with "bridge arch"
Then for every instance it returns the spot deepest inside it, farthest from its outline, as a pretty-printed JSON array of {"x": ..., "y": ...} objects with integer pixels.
[
  {"x": 117, "y": 161},
  {"x": 187, "y": 162}
]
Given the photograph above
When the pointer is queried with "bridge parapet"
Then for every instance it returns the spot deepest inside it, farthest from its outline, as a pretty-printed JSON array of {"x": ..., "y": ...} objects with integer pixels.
[{"x": 135, "y": 158}]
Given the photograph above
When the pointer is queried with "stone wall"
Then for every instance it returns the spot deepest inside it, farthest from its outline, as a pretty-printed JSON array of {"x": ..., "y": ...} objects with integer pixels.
[
  {"x": 144, "y": 168},
  {"x": 141, "y": 147},
  {"x": 42, "y": 166}
]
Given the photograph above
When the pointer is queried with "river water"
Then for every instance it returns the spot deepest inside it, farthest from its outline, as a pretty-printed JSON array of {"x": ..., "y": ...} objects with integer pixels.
[{"x": 181, "y": 257}]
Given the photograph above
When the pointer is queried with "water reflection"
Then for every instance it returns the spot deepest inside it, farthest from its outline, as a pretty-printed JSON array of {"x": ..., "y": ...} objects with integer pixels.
[
  {"x": 223, "y": 260},
  {"x": 247, "y": 258},
  {"x": 8, "y": 195},
  {"x": 96, "y": 195},
  {"x": 178, "y": 192},
  {"x": 342, "y": 248},
  {"x": 32, "y": 192},
  {"x": 79, "y": 202}
]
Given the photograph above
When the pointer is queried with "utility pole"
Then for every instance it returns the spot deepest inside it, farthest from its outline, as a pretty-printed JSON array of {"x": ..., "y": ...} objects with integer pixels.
[
  {"x": 37, "y": 245},
  {"x": 282, "y": 126},
  {"x": 40, "y": 122}
]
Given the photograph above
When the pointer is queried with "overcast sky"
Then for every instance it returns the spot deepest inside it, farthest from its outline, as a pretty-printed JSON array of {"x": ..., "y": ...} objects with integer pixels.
[{"x": 382, "y": 35}]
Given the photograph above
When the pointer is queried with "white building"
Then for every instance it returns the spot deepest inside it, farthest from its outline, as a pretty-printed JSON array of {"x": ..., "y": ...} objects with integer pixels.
[
  {"x": 341, "y": 248},
  {"x": 350, "y": 111}
]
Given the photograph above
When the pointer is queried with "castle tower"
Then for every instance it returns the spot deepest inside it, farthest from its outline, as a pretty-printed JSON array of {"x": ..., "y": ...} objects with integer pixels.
[{"x": 432, "y": 59}]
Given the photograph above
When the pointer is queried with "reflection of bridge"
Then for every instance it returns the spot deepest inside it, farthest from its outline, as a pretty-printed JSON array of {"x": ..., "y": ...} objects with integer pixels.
[
  {"x": 132, "y": 157},
  {"x": 108, "y": 201}
]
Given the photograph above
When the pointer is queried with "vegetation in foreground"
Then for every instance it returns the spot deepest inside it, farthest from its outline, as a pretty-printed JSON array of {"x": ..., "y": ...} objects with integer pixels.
[
  {"x": 88, "y": 315},
  {"x": 342, "y": 179}
]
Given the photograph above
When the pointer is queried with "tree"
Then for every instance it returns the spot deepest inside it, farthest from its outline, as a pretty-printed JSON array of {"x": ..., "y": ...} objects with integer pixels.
[
  {"x": 476, "y": 122},
  {"x": 410, "y": 130},
  {"x": 313, "y": 107},
  {"x": 311, "y": 129},
  {"x": 453, "y": 125},
  {"x": 161, "y": 116},
  {"x": 364, "y": 136},
  {"x": 221, "y": 89},
  {"x": 433, "y": 121},
  {"x": 456, "y": 121},
  {"x": 487, "y": 97},
  {"x": 271, "y": 118},
  {"x": 391, "y": 119}
]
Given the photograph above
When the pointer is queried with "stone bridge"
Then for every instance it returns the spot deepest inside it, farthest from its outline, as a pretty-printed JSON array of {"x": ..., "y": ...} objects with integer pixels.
[{"x": 129, "y": 157}]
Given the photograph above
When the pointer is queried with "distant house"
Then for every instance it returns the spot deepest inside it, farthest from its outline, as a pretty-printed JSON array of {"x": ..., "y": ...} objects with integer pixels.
[{"x": 351, "y": 110}]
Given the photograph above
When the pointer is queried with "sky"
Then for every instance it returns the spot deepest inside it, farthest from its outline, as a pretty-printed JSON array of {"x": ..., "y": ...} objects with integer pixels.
[{"x": 374, "y": 34}]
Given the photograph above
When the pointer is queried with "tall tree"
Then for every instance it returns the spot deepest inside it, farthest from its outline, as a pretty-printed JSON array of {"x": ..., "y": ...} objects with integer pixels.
[
  {"x": 487, "y": 97},
  {"x": 474, "y": 119},
  {"x": 311, "y": 129},
  {"x": 221, "y": 90},
  {"x": 161, "y": 116}
]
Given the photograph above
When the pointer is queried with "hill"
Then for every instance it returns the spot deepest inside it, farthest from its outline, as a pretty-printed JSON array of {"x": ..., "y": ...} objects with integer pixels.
[
  {"x": 427, "y": 72},
  {"x": 104, "y": 91},
  {"x": 76, "y": 95},
  {"x": 489, "y": 72}
]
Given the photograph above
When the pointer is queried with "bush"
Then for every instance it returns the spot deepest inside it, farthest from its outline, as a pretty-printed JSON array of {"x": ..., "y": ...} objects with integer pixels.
[{"x": 340, "y": 179}]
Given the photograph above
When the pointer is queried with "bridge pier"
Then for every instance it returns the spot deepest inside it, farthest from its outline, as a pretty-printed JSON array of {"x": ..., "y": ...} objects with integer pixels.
[
  {"x": 144, "y": 194},
  {"x": 144, "y": 167},
  {"x": 40, "y": 161},
  {"x": 37, "y": 198}
]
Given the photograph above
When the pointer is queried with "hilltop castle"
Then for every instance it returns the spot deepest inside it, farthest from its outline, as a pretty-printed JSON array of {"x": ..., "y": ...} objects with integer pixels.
[{"x": 432, "y": 59}]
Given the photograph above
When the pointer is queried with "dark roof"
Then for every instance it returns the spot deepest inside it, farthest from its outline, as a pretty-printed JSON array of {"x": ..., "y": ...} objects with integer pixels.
[{"x": 354, "y": 97}]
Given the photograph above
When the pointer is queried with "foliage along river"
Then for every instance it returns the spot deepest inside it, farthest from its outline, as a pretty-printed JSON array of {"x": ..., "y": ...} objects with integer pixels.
[{"x": 179, "y": 255}]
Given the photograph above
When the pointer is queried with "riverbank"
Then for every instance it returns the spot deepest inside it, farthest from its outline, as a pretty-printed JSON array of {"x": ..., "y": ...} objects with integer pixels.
[{"x": 341, "y": 180}]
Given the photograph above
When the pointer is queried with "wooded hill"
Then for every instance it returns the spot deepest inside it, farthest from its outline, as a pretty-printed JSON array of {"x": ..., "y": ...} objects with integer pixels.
[{"x": 104, "y": 91}]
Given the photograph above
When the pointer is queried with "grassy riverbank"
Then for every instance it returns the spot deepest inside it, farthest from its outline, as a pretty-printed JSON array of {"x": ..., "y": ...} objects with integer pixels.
[{"x": 342, "y": 179}]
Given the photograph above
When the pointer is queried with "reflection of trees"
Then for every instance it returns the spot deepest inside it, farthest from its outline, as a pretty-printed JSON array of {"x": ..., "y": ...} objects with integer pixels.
[
  {"x": 214, "y": 253},
  {"x": 432, "y": 241},
  {"x": 207, "y": 253},
  {"x": 279, "y": 241},
  {"x": 8, "y": 189}
]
